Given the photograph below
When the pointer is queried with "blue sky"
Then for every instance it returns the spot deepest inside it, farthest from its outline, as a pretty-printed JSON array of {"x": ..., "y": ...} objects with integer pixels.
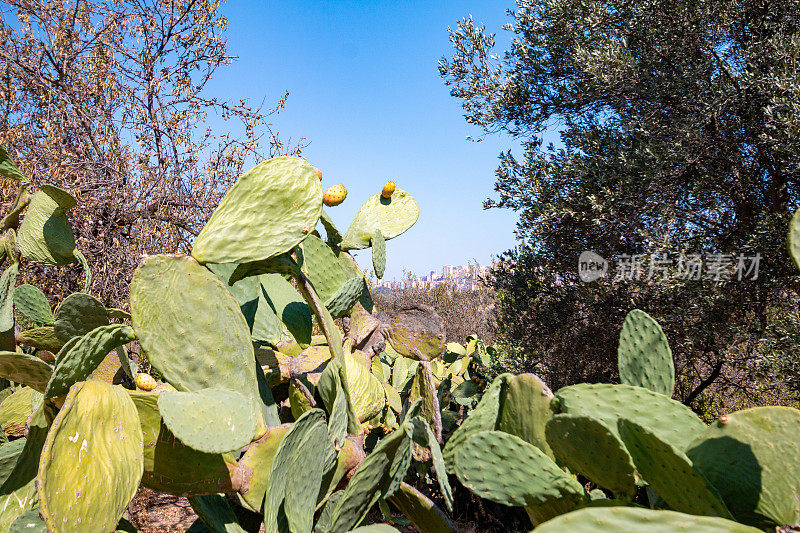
[{"x": 366, "y": 95}]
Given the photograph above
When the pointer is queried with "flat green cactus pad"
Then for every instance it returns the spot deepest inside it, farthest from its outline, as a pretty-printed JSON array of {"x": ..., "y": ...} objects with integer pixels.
[
  {"x": 423, "y": 388},
  {"x": 216, "y": 513},
  {"x": 256, "y": 463},
  {"x": 191, "y": 327},
  {"x": 91, "y": 463},
  {"x": 18, "y": 492},
  {"x": 9, "y": 453},
  {"x": 33, "y": 304},
  {"x": 592, "y": 520},
  {"x": 170, "y": 465},
  {"x": 585, "y": 445},
  {"x": 25, "y": 369},
  {"x": 288, "y": 306},
  {"x": 671, "y": 421},
  {"x": 670, "y": 473},
  {"x": 332, "y": 234},
  {"x": 29, "y": 522},
  {"x": 79, "y": 314},
  {"x": 483, "y": 417},
  {"x": 644, "y": 357},
  {"x": 7, "y": 281},
  {"x": 365, "y": 389},
  {"x": 45, "y": 236},
  {"x": 526, "y": 410},
  {"x": 295, "y": 475},
  {"x": 422, "y": 512},
  {"x": 378, "y": 253},
  {"x": 83, "y": 356},
  {"x": 268, "y": 211},
  {"x": 424, "y": 436},
  {"x": 43, "y": 338},
  {"x": 8, "y": 169},
  {"x": 392, "y": 216},
  {"x": 15, "y": 410},
  {"x": 209, "y": 420},
  {"x": 794, "y": 239},
  {"x": 752, "y": 458},
  {"x": 378, "y": 477},
  {"x": 417, "y": 331},
  {"x": 482, "y": 463},
  {"x": 320, "y": 264},
  {"x": 345, "y": 297}
]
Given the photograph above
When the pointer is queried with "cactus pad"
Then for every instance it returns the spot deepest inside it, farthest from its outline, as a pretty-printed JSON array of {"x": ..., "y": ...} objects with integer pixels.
[
  {"x": 526, "y": 410},
  {"x": 422, "y": 512},
  {"x": 671, "y": 421},
  {"x": 365, "y": 389},
  {"x": 331, "y": 233},
  {"x": 15, "y": 410},
  {"x": 591, "y": 520},
  {"x": 190, "y": 415},
  {"x": 288, "y": 306},
  {"x": 170, "y": 465},
  {"x": 256, "y": 463},
  {"x": 295, "y": 475},
  {"x": 378, "y": 253},
  {"x": 191, "y": 327},
  {"x": 378, "y": 477},
  {"x": 794, "y": 239},
  {"x": 33, "y": 304},
  {"x": 85, "y": 355},
  {"x": 417, "y": 331},
  {"x": 79, "y": 314},
  {"x": 8, "y": 169},
  {"x": 482, "y": 418},
  {"x": 585, "y": 445},
  {"x": 392, "y": 216},
  {"x": 481, "y": 464},
  {"x": 753, "y": 460},
  {"x": 644, "y": 357},
  {"x": 670, "y": 473},
  {"x": 45, "y": 236},
  {"x": 268, "y": 211},
  {"x": 91, "y": 462},
  {"x": 25, "y": 369},
  {"x": 9, "y": 454},
  {"x": 345, "y": 297},
  {"x": 43, "y": 338}
]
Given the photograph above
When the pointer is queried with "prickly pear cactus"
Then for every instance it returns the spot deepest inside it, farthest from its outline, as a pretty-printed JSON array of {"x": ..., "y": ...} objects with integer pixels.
[
  {"x": 45, "y": 236},
  {"x": 378, "y": 253},
  {"x": 392, "y": 216},
  {"x": 585, "y": 445},
  {"x": 191, "y": 327},
  {"x": 378, "y": 476},
  {"x": 675, "y": 423},
  {"x": 83, "y": 356},
  {"x": 481, "y": 464},
  {"x": 256, "y": 463},
  {"x": 25, "y": 369},
  {"x": 171, "y": 466},
  {"x": 91, "y": 463},
  {"x": 268, "y": 211},
  {"x": 189, "y": 415},
  {"x": 416, "y": 331},
  {"x": 79, "y": 314},
  {"x": 592, "y": 520},
  {"x": 15, "y": 411},
  {"x": 644, "y": 357},
  {"x": 527, "y": 409},
  {"x": 794, "y": 239},
  {"x": 670, "y": 473},
  {"x": 33, "y": 304},
  {"x": 752, "y": 458}
]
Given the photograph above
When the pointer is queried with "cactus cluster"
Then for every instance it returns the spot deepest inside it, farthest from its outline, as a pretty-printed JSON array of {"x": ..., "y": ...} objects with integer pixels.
[{"x": 249, "y": 414}]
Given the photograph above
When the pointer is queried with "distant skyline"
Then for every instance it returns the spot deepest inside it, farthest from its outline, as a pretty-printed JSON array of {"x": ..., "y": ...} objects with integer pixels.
[{"x": 366, "y": 95}]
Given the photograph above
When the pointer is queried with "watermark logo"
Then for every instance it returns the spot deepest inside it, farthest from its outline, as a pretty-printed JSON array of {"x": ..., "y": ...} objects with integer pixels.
[
  {"x": 719, "y": 268},
  {"x": 591, "y": 266}
]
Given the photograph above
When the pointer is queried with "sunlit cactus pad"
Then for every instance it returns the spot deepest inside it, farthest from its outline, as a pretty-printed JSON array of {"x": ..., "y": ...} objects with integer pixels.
[{"x": 268, "y": 211}]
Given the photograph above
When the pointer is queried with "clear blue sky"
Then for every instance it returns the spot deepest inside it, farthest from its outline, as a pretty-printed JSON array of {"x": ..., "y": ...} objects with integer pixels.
[{"x": 366, "y": 94}]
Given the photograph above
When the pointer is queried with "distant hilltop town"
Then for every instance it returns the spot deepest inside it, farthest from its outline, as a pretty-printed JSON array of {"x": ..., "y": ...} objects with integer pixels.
[{"x": 465, "y": 277}]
